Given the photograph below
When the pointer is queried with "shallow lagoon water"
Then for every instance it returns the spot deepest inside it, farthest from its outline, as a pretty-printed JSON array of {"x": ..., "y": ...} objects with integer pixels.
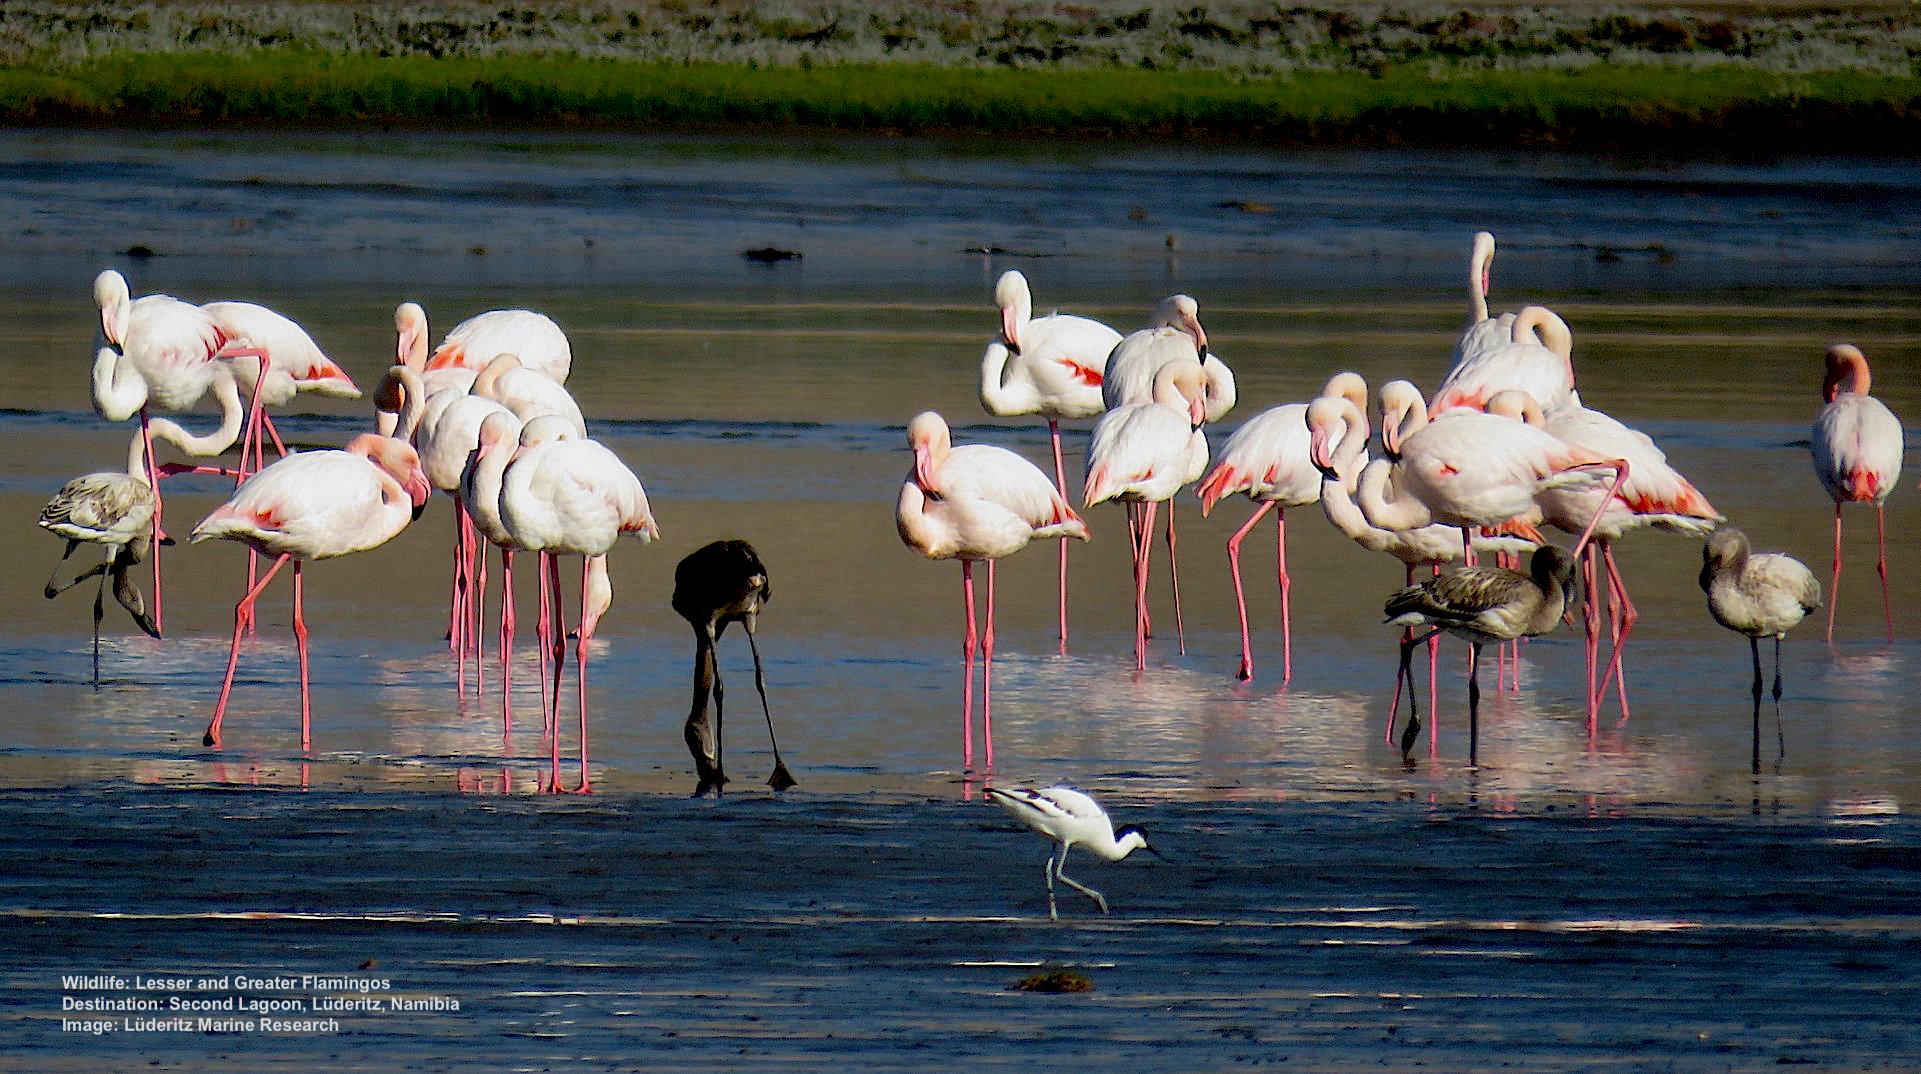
[{"x": 1638, "y": 901}]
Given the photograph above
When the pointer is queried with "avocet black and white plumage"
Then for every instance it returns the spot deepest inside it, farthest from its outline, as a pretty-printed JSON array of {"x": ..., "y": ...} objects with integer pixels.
[
  {"x": 1069, "y": 818},
  {"x": 1482, "y": 605}
]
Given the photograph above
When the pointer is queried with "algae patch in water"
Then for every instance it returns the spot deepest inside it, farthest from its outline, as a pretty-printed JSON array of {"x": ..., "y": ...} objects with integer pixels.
[{"x": 1053, "y": 981}]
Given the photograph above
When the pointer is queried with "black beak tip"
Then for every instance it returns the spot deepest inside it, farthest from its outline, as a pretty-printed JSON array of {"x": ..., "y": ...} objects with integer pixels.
[
  {"x": 207, "y": 739},
  {"x": 146, "y": 623},
  {"x": 418, "y": 511},
  {"x": 50, "y": 592},
  {"x": 168, "y": 542},
  {"x": 1203, "y": 352}
]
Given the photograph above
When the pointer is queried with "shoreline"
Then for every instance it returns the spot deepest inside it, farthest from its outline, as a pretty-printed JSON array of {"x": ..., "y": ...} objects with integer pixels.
[{"x": 1591, "y": 109}]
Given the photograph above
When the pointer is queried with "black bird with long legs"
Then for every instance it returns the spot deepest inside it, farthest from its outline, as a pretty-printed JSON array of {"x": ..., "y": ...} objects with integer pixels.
[{"x": 723, "y": 582}]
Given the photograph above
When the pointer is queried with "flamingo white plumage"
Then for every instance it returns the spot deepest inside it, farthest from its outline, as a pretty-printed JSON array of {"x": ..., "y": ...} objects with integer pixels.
[
  {"x": 1537, "y": 358},
  {"x": 975, "y": 502},
  {"x": 292, "y": 363},
  {"x": 1143, "y": 453},
  {"x": 479, "y": 339},
  {"x": 314, "y": 505},
  {"x": 1857, "y": 444},
  {"x": 1268, "y": 460},
  {"x": 563, "y": 496},
  {"x": 1655, "y": 494},
  {"x": 1051, "y": 366}
]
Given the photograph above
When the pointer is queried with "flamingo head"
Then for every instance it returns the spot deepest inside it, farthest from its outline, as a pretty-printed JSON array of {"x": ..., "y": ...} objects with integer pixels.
[
  {"x": 1182, "y": 312},
  {"x": 400, "y": 461},
  {"x": 1182, "y": 384},
  {"x": 1399, "y": 401},
  {"x": 928, "y": 435},
  {"x": 500, "y": 427},
  {"x": 1483, "y": 260},
  {"x": 1846, "y": 364},
  {"x": 1326, "y": 428},
  {"x": 410, "y": 335},
  {"x": 1017, "y": 306},
  {"x": 1353, "y": 388},
  {"x": 545, "y": 429},
  {"x": 110, "y": 293}
]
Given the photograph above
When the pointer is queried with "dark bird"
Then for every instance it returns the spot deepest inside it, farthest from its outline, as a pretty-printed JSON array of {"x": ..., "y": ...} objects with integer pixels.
[
  {"x": 1762, "y": 596},
  {"x": 113, "y": 510},
  {"x": 1481, "y": 605},
  {"x": 722, "y": 583}
]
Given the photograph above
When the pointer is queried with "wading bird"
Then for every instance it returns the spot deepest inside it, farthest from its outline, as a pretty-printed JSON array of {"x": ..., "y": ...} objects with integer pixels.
[
  {"x": 314, "y": 505},
  {"x": 1482, "y": 605},
  {"x": 720, "y": 583},
  {"x": 1761, "y": 596},
  {"x": 1070, "y": 818},
  {"x": 1268, "y": 460},
  {"x": 113, "y": 509},
  {"x": 1857, "y": 445},
  {"x": 975, "y": 502},
  {"x": 1049, "y": 366},
  {"x": 1143, "y": 454}
]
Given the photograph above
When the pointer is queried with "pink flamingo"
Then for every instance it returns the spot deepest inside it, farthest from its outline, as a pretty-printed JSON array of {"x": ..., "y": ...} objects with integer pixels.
[
  {"x": 314, "y": 505},
  {"x": 1483, "y": 332},
  {"x": 1469, "y": 469},
  {"x": 476, "y": 341},
  {"x": 562, "y": 496},
  {"x": 1338, "y": 433},
  {"x": 1173, "y": 334},
  {"x": 1049, "y": 366},
  {"x": 1144, "y": 453},
  {"x": 410, "y": 350},
  {"x": 1857, "y": 445},
  {"x": 1537, "y": 358},
  {"x": 498, "y": 439},
  {"x": 290, "y": 363},
  {"x": 1268, "y": 460},
  {"x": 975, "y": 502},
  {"x": 1655, "y": 495},
  {"x": 161, "y": 352}
]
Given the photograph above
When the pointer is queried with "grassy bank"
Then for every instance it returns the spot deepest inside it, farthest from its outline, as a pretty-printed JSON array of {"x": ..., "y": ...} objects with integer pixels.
[
  {"x": 1587, "y": 107},
  {"x": 1712, "y": 76}
]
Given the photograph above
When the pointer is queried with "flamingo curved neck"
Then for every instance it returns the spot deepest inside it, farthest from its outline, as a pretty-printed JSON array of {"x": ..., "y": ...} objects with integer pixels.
[
  {"x": 119, "y": 391},
  {"x": 1479, "y": 262},
  {"x": 213, "y": 443},
  {"x": 1847, "y": 374},
  {"x": 1387, "y": 506},
  {"x": 997, "y": 395}
]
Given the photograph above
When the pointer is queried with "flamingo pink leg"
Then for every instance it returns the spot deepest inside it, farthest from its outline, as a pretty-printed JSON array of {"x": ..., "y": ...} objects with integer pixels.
[
  {"x": 1591, "y": 620},
  {"x": 1060, "y": 484},
  {"x": 479, "y": 607},
  {"x": 987, "y": 674},
  {"x": 1287, "y": 585},
  {"x": 543, "y": 633},
  {"x": 1620, "y": 468},
  {"x": 1622, "y": 616},
  {"x": 279, "y": 445},
  {"x": 1246, "y": 670},
  {"x": 454, "y": 606},
  {"x": 1174, "y": 572},
  {"x": 1833, "y": 583},
  {"x": 1141, "y": 627},
  {"x": 300, "y": 643},
  {"x": 558, "y": 632},
  {"x": 586, "y": 633},
  {"x": 506, "y": 647},
  {"x": 967, "y": 661},
  {"x": 1880, "y": 564},
  {"x": 1434, "y": 684},
  {"x": 244, "y": 608},
  {"x": 153, "y": 481}
]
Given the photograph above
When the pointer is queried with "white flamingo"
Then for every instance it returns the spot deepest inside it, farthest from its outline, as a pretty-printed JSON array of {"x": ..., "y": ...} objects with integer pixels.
[
  {"x": 975, "y": 502},
  {"x": 1857, "y": 445},
  {"x": 1051, "y": 366}
]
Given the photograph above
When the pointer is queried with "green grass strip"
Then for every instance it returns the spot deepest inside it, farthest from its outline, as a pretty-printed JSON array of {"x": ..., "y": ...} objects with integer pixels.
[{"x": 1587, "y": 107}]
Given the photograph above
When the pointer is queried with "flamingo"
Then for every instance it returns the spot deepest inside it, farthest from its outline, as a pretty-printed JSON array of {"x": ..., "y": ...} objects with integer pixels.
[
  {"x": 410, "y": 350},
  {"x": 494, "y": 447},
  {"x": 719, "y": 583},
  {"x": 161, "y": 352},
  {"x": 1143, "y": 453},
  {"x": 527, "y": 392},
  {"x": 975, "y": 502},
  {"x": 1052, "y": 367},
  {"x": 1469, "y": 468},
  {"x": 1857, "y": 444},
  {"x": 1762, "y": 596},
  {"x": 476, "y": 341},
  {"x": 1481, "y": 604},
  {"x": 1656, "y": 495},
  {"x": 113, "y": 509},
  {"x": 1338, "y": 434},
  {"x": 290, "y": 363},
  {"x": 1268, "y": 460},
  {"x": 562, "y": 496},
  {"x": 1537, "y": 358},
  {"x": 314, "y": 505},
  {"x": 1483, "y": 331},
  {"x": 1173, "y": 333}
]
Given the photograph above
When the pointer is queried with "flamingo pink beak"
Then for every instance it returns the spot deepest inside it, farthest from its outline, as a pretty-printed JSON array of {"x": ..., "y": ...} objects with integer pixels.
[
  {"x": 418, "y": 488},
  {"x": 1197, "y": 410},
  {"x": 924, "y": 468},
  {"x": 1009, "y": 333}
]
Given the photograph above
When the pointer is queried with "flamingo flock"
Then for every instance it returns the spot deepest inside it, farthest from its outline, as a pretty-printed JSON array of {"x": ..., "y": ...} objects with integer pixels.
[{"x": 1503, "y": 447}]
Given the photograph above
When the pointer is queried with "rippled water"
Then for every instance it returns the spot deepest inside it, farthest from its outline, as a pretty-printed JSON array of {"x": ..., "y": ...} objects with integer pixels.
[{"x": 1640, "y": 900}]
